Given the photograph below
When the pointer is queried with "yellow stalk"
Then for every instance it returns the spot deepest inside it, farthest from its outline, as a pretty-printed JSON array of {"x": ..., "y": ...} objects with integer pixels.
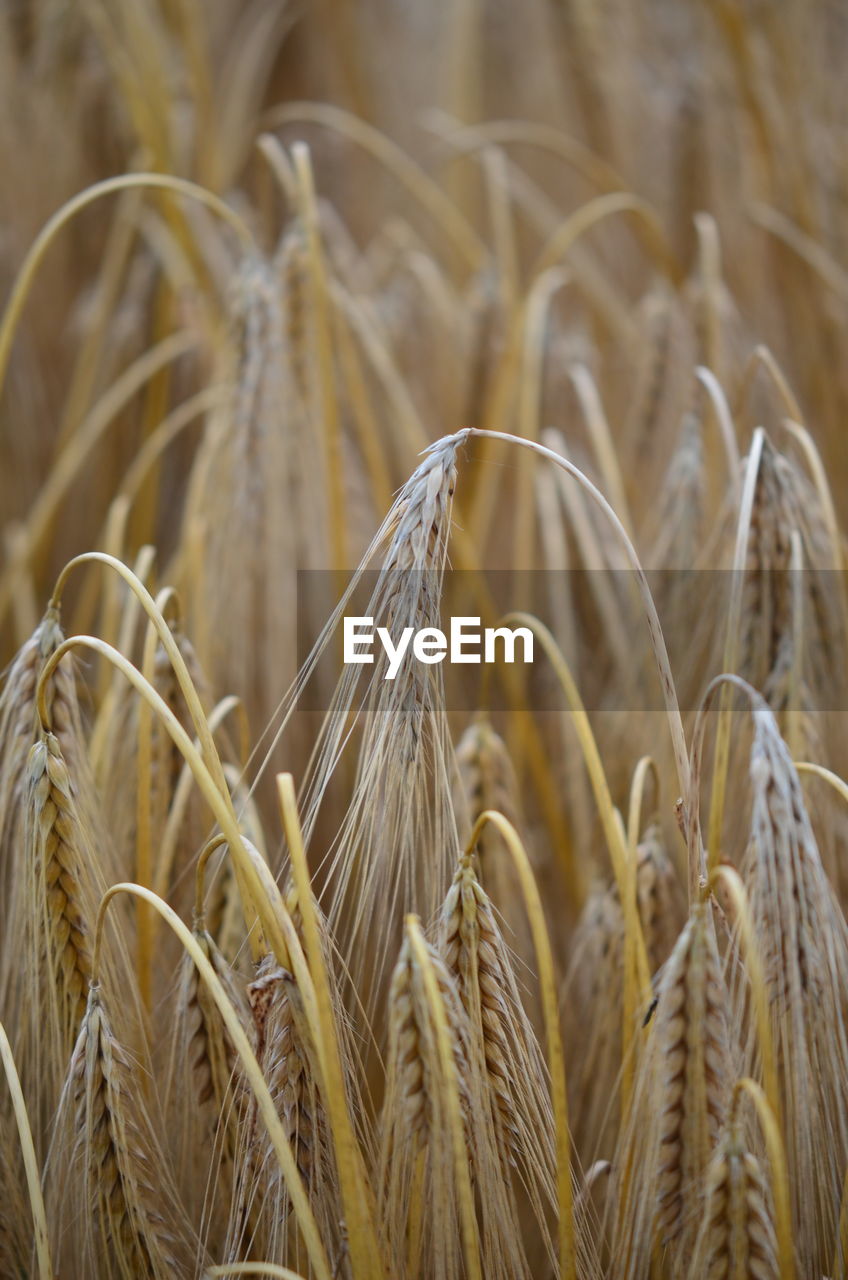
[
  {"x": 67, "y": 466},
  {"x": 762, "y": 358},
  {"x": 328, "y": 403},
  {"x": 805, "y": 246},
  {"x": 462, "y": 1173},
  {"x": 657, "y": 639},
  {"x": 594, "y": 211},
  {"x": 423, "y": 189},
  {"x": 728, "y": 879},
  {"x": 482, "y": 498},
  {"x": 192, "y": 24},
  {"x": 724, "y": 422},
  {"x": 42, "y": 242},
  {"x": 36, "y": 1200},
  {"x": 182, "y": 791},
  {"x": 364, "y": 419},
  {"x": 365, "y": 1255},
  {"x": 602, "y": 441},
  {"x": 795, "y": 712},
  {"x": 272, "y": 1269},
  {"x": 819, "y": 771},
  {"x": 637, "y": 794},
  {"x": 503, "y": 231},
  {"x": 466, "y": 139},
  {"x": 709, "y": 264},
  {"x": 216, "y": 842},
  {"x": 252, "y": 1070},
  {"x": 613, "y": 833},
  {"x": 169, "y": 644},
  {"x": 164, "y": 434},
  {"x": 533, "y": 321},
  {"x": 406, "y": 417},
  {"x": 814, "y": 462},
  {"x": 254, "y": 900},
  {"x": 721, "y": 756},
  {"x": 143, "y": 853},
  {"x": 779, "y": 1174},
  {"x": 278, "y": 162},
  {"x": 637, "y": 985},
  {"x": 100, "y": 734},
  {"x": 113, "y": 267}
]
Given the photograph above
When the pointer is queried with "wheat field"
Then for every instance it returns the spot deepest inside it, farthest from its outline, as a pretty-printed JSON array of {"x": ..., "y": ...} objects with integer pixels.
[{"x": 536, "y": 312}]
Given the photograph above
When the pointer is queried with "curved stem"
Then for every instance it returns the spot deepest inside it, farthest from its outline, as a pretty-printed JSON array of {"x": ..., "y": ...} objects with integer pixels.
[
  {"x": 762, "y": 358},
  {"x": 808, "y": 447},
  {"x": 597, "y": 777},
  {"x": 329, "y": 414},
  {"x": 36, "y": 1200},
  {"x": 819, "y": 771},
  {"x": 466, "y": 139},
  {"x": 169, "y": 644},
  {"x": 727, "y": 878},
  {"x": 465, "y": 1194},
  {"x": 779, "y": 1174},
  {"x": 593, "y": 212},
  {"x": 709, "y": 261},
  {"x": 758, "y": 704},
  {"x": 200, "y": 873},
  {"x": 167, "y": 431},
  {"x": 721, "y": 412},
  {"x": 250, "y": 885},
  {"x": 808, "y": 250},
  {"x": 363, "y": 1242},
  {"x": 657, "y": 640},
  {"x": 602, "y": 442},
  {"x": 274, "y": 154},
  {"x": 637, "y": 793},
  {"x": 423, "y": 189},
  {"x": 180, "y": 799},
  {"x": 266, "y": 1269},
  {"x": 731, "y": 643},
  {"x": 68, "y": 463},
  {"x": 26, "y": 275},
  {"x": 252, "y": 1069}
]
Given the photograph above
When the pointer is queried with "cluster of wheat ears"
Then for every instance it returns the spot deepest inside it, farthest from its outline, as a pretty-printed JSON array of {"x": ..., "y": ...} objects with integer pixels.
[{"x": 554, "y": 984}]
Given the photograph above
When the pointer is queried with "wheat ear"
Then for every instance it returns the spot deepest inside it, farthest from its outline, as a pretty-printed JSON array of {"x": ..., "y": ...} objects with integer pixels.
[
  {"x": 511, "y": 1061},
  {"x": 124, "y": 1177},
  {"x": 736, "y": 1239}
]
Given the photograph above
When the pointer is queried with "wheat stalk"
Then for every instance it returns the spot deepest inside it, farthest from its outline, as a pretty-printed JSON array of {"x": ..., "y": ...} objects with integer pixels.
[
  {"x": 736, "y": 1237},
  {"x": 124, "y": 1179},
  {"x": 352, "y": 1090},
  {"x": 802, "y": 936},
  {"x": 510, "y": 1061},
  {"x": 58, "y": 850},
  {"x": 683, "y": 1083},
  {"x": 401, "y": 794}
]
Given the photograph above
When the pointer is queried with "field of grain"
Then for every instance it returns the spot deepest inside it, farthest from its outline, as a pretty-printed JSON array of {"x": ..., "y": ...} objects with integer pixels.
[{"x": 536, "y": 312}]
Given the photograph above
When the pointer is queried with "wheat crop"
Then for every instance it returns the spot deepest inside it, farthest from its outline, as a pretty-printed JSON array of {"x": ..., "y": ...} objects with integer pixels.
[{"x": 412, "y": 315}]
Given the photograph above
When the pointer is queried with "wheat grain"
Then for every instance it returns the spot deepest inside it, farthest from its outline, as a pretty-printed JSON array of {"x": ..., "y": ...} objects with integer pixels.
[
  {"x": 693, "y": 1055},
  {"x": 802, "y": 937},
  {"x": 357, "y": 315},
  {"x": 59, "y": 854},
  {"x": 126, "y": 1182},
  {"x": 736, "y": 1237}
]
